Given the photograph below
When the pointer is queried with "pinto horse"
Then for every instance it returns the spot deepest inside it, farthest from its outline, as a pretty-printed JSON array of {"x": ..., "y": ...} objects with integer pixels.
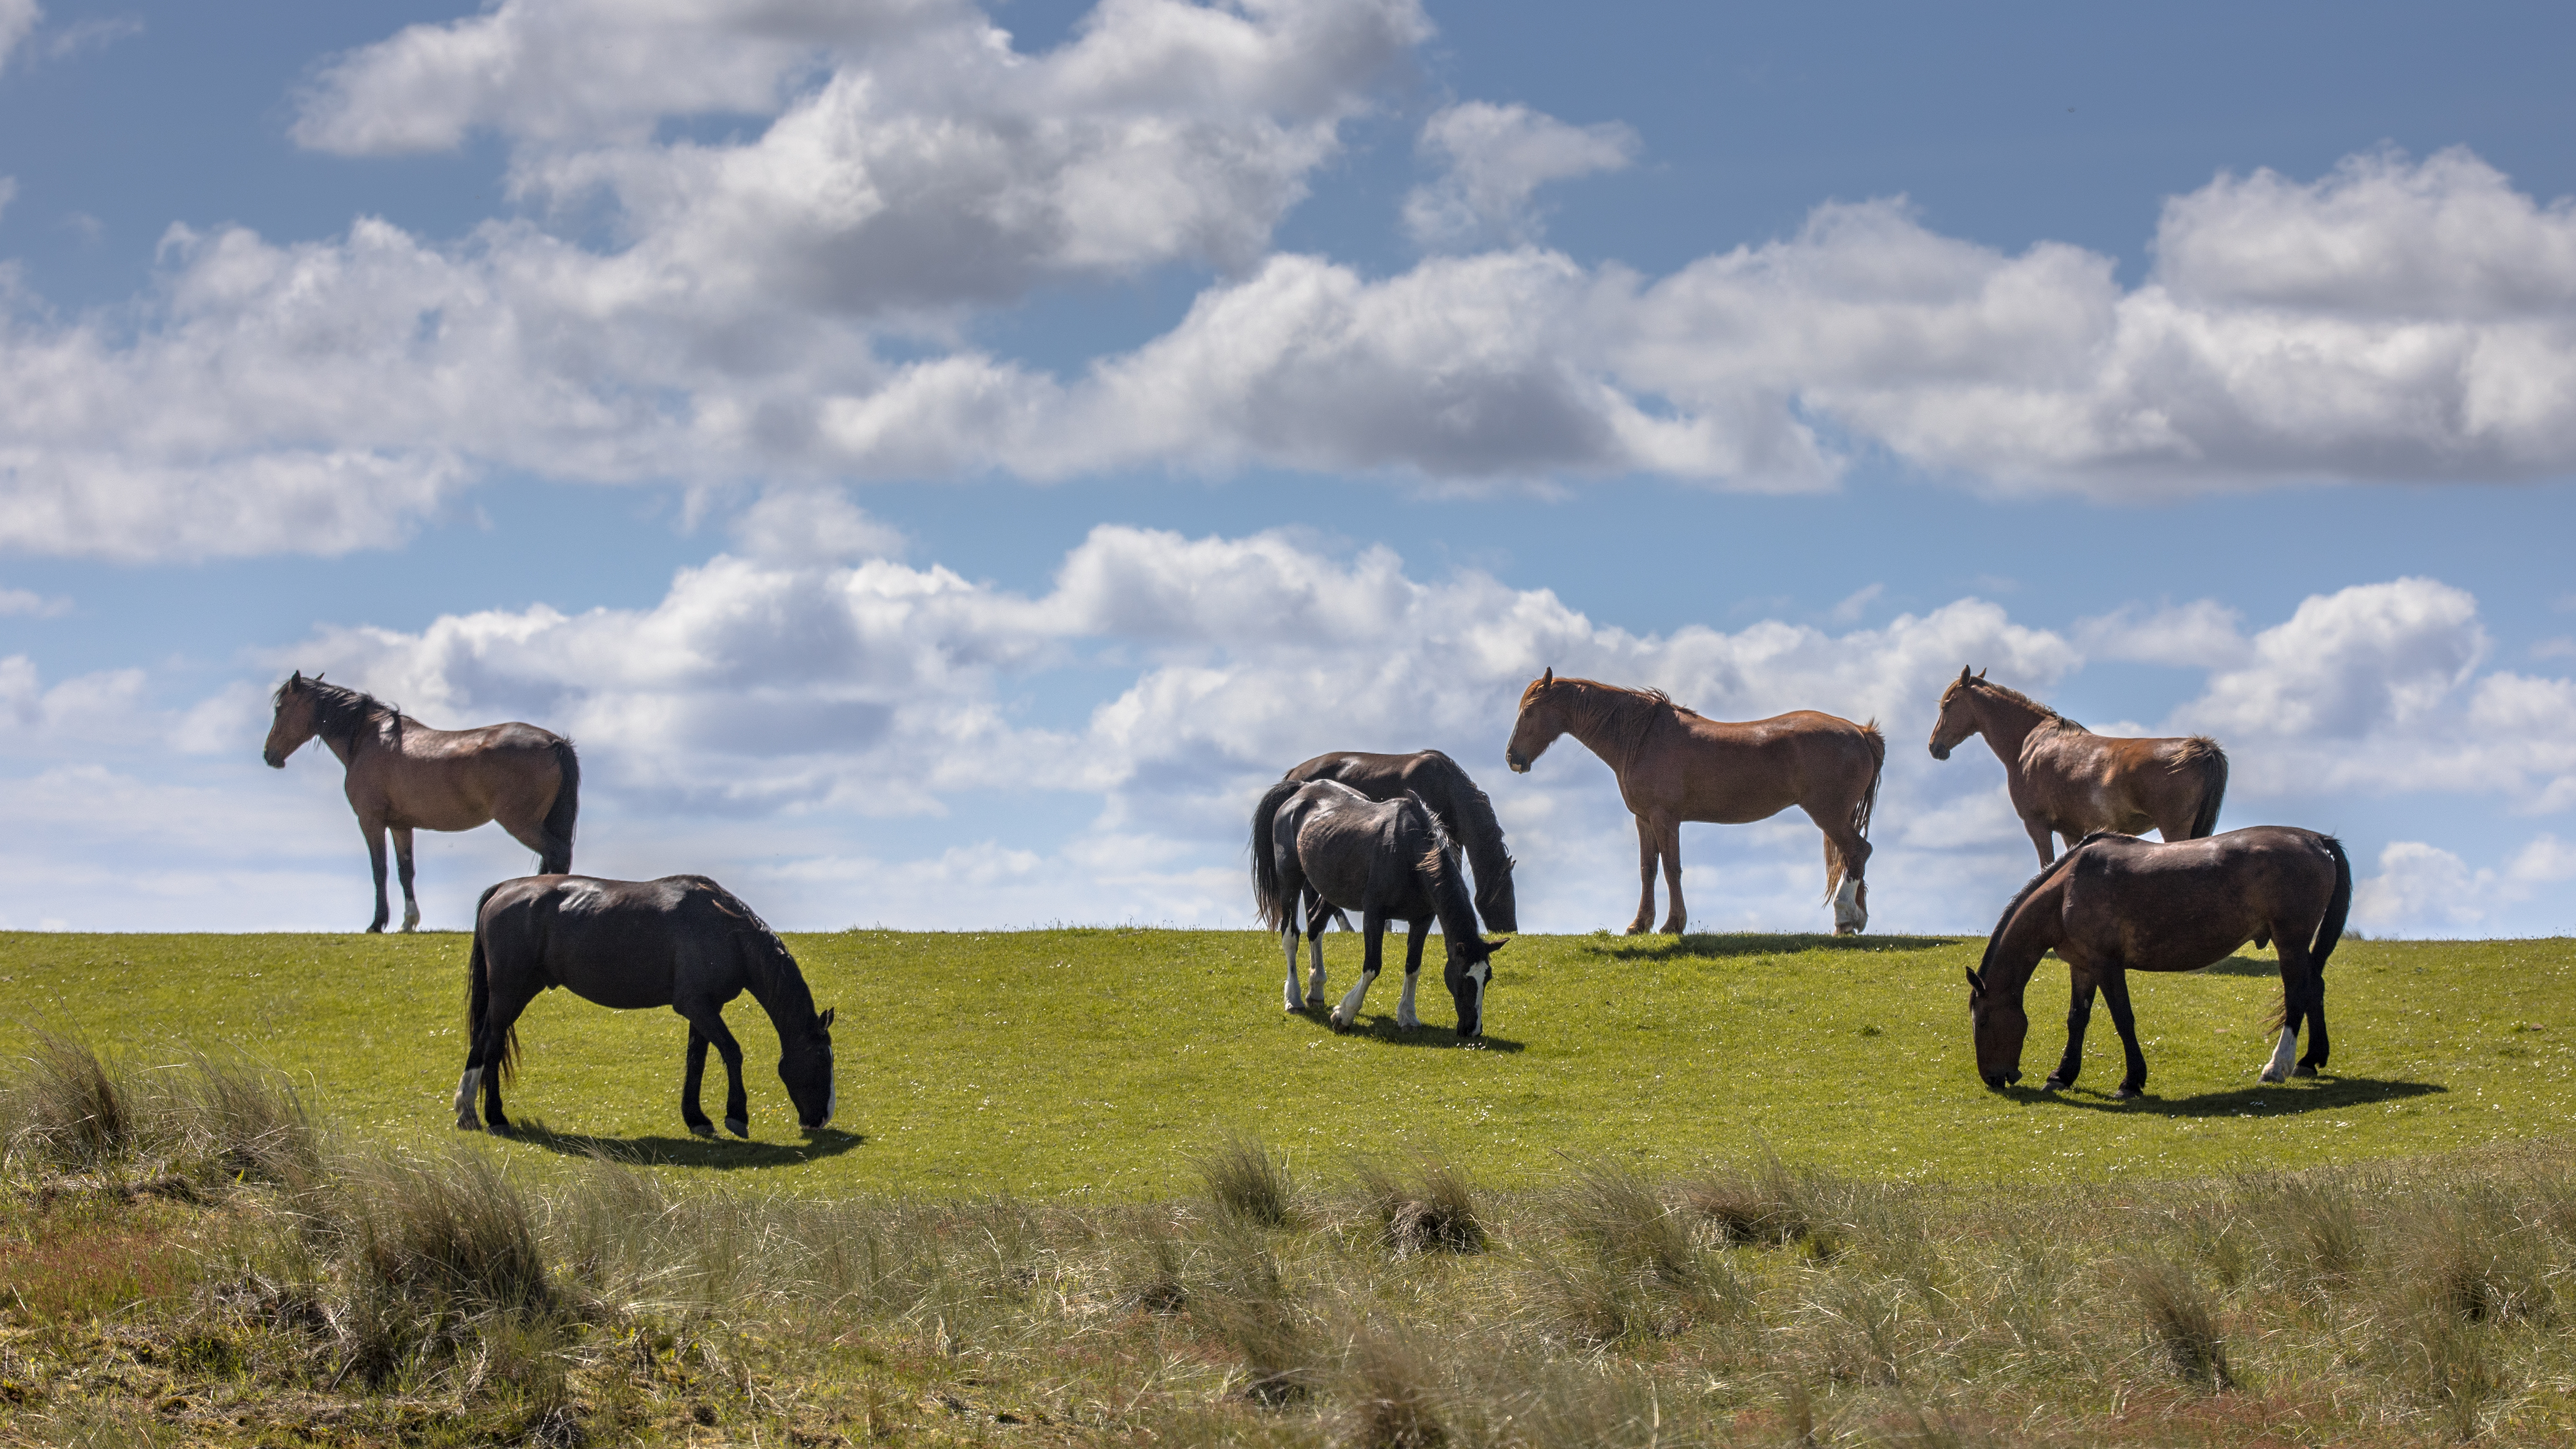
[
  {"x": 1463, "y": 809},
  {"x": 2067, "y": 779},
  {"x": 1387, "y": 860},
  {"x": 403, "y": 775},
  {"x": 683, "y": 942},
  {"x": 2115, "y": 904},
  {"x": 1675, "y": 765}
]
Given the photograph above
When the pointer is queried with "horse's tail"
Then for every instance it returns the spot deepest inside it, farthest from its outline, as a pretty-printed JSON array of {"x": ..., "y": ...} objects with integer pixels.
[
  {"x": 2338, "y": 905},
  {"x": 1277, "y": 912},
  {"x": 561, "y": 816},
  {"x": 1861, "y": 811},
  {"x": 504, "y": 1060},
  {"x": 2202, "y": 756}
]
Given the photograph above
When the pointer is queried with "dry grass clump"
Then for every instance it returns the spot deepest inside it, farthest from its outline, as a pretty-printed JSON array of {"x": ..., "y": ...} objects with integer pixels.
[
  {"x": 65, "y": 1108},
  {"x": 2181, "y": 1319},
  {"x": 1246, "y": 1182},
  {"x": 1431, "y": 1208}
]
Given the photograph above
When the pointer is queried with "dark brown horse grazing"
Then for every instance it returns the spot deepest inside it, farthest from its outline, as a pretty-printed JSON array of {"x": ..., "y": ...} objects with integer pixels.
[
  {"x": 2116, "y": 904},
  {"x": 1675, "y": 765},
  {"x": 404, "y": 776},
  {"x": 1387, "y": 860},
  {"x": 1463, "y": 810},
  {"x": 682, "y": 941},
  {"x": 2065, "y": 778}
]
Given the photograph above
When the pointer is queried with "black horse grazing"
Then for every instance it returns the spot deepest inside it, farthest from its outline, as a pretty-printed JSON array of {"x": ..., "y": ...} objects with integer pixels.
[
  {"x": 682, "y": 941},
  {"x": 1387, "y": 860},
  {"x": 2115, "y": 904},
  {"x": 1463, "y": 810}
]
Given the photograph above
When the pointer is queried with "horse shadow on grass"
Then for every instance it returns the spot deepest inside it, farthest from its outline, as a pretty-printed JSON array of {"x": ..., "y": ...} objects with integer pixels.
[
  {"x": 2323, "y": 1093},
  {"x": 1380, "y": 1027},
  {"x": 717, "y": 1152},
  {"x": 1731, "y": 944}
]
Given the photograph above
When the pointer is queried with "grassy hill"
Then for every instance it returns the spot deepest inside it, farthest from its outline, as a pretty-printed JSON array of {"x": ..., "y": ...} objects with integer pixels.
[{"x": 1097, "y": 1061}]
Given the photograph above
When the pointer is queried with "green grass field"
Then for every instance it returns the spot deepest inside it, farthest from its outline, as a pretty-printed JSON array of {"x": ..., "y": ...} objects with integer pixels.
[{"x": 1098, "y": 1061}]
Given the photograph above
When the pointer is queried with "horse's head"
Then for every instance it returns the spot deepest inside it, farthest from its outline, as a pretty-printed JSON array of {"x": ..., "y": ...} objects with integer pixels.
[
  {"x": 294, "y": 723},
  {"x": 806, "y": 1067},
  {"x": 1999, "y": 1024},
  {"x": 1542, "y": 720},
  {"x": 1958, "y": 718},
  {"x": 1471, "y": 970}
]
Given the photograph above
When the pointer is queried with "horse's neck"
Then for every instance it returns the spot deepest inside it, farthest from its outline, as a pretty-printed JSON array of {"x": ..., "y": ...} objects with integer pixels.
[
  {"x": 2034, "y": 928},
  {"x": 2006, "y": 726},
  {"x": 1451, "y": 903},
  {"x": 783, "y": 995},
  {"x": 1610, "y": 727}
]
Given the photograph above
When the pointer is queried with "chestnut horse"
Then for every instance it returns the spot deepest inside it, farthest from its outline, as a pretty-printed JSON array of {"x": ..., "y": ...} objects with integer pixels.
[
  {"x": 1675, "y": 765},
  {"x": 1463, "y": 809},
  {"x": 2065, "y": 778},
  {"x": 404, "y": 776},
  {"x": 2116, "y": 904}
]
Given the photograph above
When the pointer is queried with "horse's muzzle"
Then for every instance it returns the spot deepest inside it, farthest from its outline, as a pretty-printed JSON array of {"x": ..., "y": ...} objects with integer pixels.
[
  {"x": 1940, "y": 752},
  {"x": 2001, "y": 1080},
  {"x": 1519, "y": 763},
  {"x": 275, "y": 761}
]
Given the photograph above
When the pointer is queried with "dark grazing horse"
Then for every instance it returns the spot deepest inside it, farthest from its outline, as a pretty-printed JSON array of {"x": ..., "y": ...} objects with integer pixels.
[
  {"x": 2067, "y": 779},
  {"x": 683, "y": 942},
  {"x": 403, "y": 776},
  {"x": 1463, "y": 810},
  {"x": 2115, "y": 904},
  {"x": 1674, "y": 765},
  {"x": 1387, "y": 860}
]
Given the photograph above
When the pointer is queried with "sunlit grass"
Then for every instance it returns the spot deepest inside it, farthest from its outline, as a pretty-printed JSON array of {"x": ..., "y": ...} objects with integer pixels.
[{"x": 1102, "y": 1061}]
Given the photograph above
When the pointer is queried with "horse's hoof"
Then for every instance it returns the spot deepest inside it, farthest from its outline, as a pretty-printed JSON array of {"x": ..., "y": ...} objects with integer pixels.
[
  {"x": 738, "y": 1126},
  {"x": 468, "y": 1124},
  {"x": 2128, "y": 1093},
  {"x": 501, "y": 1129},
  {"x": 2269, "y": 1075},
  {"x": 2052, "y": 1085},
  {"x": 702, "y": 1129},
  {"x": 1337, "y": 1023},
  {"x": 377, "y": 929},
  {"x": 2306, "y": 1069}
]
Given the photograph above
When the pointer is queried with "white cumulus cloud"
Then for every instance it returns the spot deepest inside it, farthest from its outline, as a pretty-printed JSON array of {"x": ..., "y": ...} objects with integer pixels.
[{"x": 1495, "y": 159}]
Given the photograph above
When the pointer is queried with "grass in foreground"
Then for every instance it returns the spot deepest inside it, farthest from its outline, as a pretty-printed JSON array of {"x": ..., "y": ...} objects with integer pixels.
[
  {"x": 1102, "y": 1062},
  {"x": 192, "y": 1258}
]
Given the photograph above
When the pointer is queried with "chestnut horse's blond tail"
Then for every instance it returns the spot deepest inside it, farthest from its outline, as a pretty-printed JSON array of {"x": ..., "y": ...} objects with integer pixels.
[{"x": 1834, "y": 866}]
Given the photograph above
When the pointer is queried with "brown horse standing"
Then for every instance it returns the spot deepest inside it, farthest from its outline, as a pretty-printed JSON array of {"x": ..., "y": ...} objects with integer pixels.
[
  {"x": 2116, "y": 905},
  {"x": 1675, "y": 765},
  {"x": 404, "y": 776},
  {"x": 2065, "y": 778}
]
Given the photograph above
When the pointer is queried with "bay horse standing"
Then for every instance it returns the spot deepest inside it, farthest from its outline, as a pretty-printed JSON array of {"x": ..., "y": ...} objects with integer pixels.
[
  {"x": 1387, "y": 860},
  {"x": 1674, "y": 765},
  {"x": 2064, "y": 778},
  {"x": 1464, "y": 812},
  {"x": 404, "y": 776},
  {"x": 683, "y": 942},
  {"x": 2115, "y": 904}
]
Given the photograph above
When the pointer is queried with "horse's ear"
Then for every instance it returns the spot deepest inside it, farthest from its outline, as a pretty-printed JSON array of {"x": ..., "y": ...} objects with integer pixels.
[
  {"x": 296, "y": 678},
  {"x": 1548, "y": 678},
  {"x": 1981, "y": 674},
  {"x": 826, "y": 1018},
  {"x": 1492, "y": 946},
  {"x": 1976, "y": 983},
  {"x": 1963, "y": 674}
]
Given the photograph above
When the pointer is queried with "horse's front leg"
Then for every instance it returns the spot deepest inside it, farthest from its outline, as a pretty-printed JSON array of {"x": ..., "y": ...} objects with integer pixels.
[
  {"x": 402, "y": 869},
  {"x": 2042, "y": 837},
  {"x": 1373, "y": 929},
  {"x": 2115, "y": 994},
  {"x": 1419, "y": 932},
  {"x": 1670, "y": 846},
  {"x": 1647, "y": 839},
  {"x": 1316, "y": 918},
  {"x": 2079, "y": 1014},
  {"x": 374, "y": 829},
  {"x": 709, "y": 1022},
  {"x": 690, "y": 1080}
]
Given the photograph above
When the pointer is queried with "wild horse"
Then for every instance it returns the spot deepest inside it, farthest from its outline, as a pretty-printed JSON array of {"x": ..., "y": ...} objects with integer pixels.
[
  {"x": 683, "y": 942},
  {"x": 1463, "y": 810},
  {"x": 1387, "y": 860},
  {"x": 1674, "y": 765},
  {"x": 2115, "y": 904},
  {"x": 2065, "y": 778},
  {"x": 404, "y": 776}
]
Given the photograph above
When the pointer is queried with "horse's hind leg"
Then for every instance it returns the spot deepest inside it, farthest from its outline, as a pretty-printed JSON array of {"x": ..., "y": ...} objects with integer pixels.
[
  {"x": 2115, "y": 994},
  {"x": 1648, "y": 839},
  {"x": 402, "y": 869},
  {"x": 1419, "y": 931},
  {"x": 1317, "y": 914},
  {"x": 1847, "y": 852},
  {"x": 1347, "y": 1015},
  {"x": 2301, "y": 993},
  {"x": 2079, "y": 1014},
  {"x": 690, "y": 1080}
]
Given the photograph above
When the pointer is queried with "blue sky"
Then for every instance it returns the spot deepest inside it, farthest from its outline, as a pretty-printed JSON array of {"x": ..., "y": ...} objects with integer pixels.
[{"x": 941, "y": 461}]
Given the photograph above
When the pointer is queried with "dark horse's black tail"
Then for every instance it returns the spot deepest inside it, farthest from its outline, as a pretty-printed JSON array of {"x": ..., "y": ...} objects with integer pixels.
[
  {"x": 478, "y": 1005},
  {"x": 561, "y": 816},
  {"x": 2202, "y": 756},
  {"x": 1276, "y": 913},
  {"x": 2338, "y": 905}
]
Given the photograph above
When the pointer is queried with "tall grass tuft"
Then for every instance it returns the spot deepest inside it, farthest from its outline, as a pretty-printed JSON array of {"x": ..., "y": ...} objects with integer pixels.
[
  {"x": 246, "y": 1122},
  {"x": 2182, "y": 1320},
  {"x": 1769, "y": 1204},
  {"x": 65, "y": 1108},
  {"x": 1619, "y": 1215},
  {"x": 1247, "y": 1183},
  {"x": 444, "y": 1231},
  {"x": 1433, "y": 1209},
  {"x": 1389, "y": 1387}
]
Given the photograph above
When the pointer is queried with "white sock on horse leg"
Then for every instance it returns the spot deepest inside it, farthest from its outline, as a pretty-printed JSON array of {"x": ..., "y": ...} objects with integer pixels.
[
  {"x": 1848, "y": 914},
  {"x": 1288, "y": 939},
  {"x": 2279, "y": 1068},
  {"x": 1404, "y": 1016},
  {"x": 1349, "y": 1011},
  {"x": 465, "y": 1086},
  {"x": 1315, "y": 983}
]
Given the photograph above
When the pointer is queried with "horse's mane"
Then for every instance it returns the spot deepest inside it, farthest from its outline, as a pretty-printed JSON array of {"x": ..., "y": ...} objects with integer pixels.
[
  {"x": 1618, "y": 698},
  {"x": 1476, "y": 819},
  {"x": 2012, "y": 694},
  {"x": 339, "y": 712},
  {"x": 1439, "y": 861},
  {"x": 2025, "y": 893}
]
